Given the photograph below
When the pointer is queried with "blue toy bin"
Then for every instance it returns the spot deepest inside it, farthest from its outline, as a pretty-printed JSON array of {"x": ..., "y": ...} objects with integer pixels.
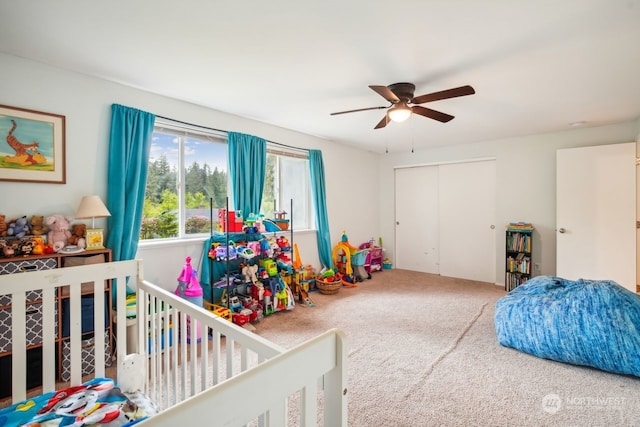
[{"x": 360, "y": 257}]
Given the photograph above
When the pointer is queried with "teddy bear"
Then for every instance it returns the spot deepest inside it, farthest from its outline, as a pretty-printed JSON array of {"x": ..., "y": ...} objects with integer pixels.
[
  {"x": 37, "y": 225},
  {"x": 59, "y": 233},
  {"x": 77, "y": 238},
  {"x": 19, "y": 227},
  {"x": 3, "y": 225}
]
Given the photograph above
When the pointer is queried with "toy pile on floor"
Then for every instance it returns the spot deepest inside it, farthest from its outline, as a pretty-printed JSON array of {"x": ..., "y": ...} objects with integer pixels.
[
  {"x": 270, "y": 277},
  {"x": 352, "y": 265}
]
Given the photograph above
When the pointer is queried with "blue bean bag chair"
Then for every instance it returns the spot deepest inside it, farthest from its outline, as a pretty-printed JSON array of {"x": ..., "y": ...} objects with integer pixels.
[{"x": 584, "y": 322}]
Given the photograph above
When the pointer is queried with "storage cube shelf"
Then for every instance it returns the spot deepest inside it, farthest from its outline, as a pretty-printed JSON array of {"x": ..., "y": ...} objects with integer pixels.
[
  {"x": 88, "y": 356},
  {"x": 33, "y": 305}
]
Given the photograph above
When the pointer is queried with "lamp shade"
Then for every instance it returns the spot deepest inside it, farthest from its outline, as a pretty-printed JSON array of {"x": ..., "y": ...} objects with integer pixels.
[
  {"x": 92, "y": 207},
  {"x": 399, "y": 112}
]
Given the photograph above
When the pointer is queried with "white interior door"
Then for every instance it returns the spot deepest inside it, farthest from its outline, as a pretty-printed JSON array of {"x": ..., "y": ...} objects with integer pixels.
[
  {"x": 596, "y": 218},
  {"x": 417, "y": 235},
  {"x": 467, "y": 220}
]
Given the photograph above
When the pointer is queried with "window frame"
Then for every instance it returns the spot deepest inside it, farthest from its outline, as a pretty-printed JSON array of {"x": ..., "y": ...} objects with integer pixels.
[
  {"x": 185, "y": 131},
  {"x": 285, "y": 204}
]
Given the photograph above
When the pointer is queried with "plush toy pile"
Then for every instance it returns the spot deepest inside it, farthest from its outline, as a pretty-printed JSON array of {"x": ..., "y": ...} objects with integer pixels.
[
  {"x": 36, "y": 235},
  {"x": 584, "y": 322}
]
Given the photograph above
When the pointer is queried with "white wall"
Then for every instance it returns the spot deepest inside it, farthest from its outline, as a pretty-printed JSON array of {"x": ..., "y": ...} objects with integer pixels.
[
  {"x": 525, "y": 162},
  {"x": 359, "y": 184},
  {"x": 86, "y": 103}
]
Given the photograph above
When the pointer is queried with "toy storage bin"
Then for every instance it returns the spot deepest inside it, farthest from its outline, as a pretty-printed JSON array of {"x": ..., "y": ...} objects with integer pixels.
[
  {"x": 360, "y": 257},
  {"x": 328, "y": 288},
  {"x": 374, "y": 257}
]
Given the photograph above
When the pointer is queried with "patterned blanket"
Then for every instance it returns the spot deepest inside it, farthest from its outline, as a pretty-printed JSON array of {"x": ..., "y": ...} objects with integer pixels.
[{"x": 98, "y": 402}]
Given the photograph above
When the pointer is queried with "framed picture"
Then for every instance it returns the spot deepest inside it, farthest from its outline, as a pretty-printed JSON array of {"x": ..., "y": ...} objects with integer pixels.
[{"x": 32, "y": 146}]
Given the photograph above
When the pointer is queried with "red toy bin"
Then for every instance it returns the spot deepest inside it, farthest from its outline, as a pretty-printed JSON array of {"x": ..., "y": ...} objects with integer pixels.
[{"x": 234, "y": 225}]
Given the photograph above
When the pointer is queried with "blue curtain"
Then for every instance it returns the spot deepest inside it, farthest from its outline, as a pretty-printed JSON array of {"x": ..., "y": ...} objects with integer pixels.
[
  {"x": 247, "y": 165},
  {"x": 129, "y": 146},
  {"x": 316, "y": 167}
]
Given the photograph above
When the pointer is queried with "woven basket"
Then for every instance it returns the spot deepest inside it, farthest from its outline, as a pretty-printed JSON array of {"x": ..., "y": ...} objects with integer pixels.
[{"x": 328, "y": 288}]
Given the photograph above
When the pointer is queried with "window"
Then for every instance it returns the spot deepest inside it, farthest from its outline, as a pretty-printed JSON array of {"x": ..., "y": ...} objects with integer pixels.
[
  {"x": 287, "y": 181},
  {"x": 187, "y": 169}
]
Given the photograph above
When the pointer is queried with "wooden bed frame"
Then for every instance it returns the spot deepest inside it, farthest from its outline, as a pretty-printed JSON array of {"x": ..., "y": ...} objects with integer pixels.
[{"x": 238, "y": 378}]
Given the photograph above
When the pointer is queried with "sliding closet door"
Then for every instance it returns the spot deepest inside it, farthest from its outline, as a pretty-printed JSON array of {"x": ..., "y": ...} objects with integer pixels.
[
  {"x": 445, "y": 220},
  {"x": 467, "y": 220},
  {"x": 417, "y": 238}
]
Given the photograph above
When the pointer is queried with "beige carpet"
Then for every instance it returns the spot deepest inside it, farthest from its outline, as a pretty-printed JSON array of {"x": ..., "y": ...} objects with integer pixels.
[{"x": 423, "y": 352}]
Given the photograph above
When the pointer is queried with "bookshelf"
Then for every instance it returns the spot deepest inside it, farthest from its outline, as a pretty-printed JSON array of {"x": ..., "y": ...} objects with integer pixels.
[{"x": 518, "y": 254}]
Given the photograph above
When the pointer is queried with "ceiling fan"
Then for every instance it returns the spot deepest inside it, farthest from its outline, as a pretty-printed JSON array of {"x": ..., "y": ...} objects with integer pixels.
[{"x": 403, "y": 103}]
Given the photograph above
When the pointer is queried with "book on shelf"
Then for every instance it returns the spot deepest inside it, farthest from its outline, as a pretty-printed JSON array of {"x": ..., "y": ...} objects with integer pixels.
[{"x": 525, "y": 227}]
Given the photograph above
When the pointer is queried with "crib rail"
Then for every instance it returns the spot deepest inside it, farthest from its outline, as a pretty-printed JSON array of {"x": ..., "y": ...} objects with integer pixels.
[
  {"x": 198, "y": 361},
  {"x": 46, "y": 284},
  {"x": 190, "y": 349},
  {"x": 260, "y": 394},
  {"x": 198, "y": 366}
]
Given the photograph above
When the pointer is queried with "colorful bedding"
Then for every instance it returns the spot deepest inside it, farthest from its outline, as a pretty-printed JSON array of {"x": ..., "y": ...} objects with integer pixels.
[{"x": 98, "y": 402}]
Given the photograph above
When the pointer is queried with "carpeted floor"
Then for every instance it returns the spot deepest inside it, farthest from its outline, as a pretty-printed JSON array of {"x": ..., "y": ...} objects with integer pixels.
[{"x": 423, "y": 352}]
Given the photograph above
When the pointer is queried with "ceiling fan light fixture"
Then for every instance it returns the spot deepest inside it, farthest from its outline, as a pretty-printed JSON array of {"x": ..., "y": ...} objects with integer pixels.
[{"x": 399, "y": 112}]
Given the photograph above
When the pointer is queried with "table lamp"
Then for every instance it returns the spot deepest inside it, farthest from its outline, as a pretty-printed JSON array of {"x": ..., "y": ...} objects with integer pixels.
[{"x": 92, "y": 207}]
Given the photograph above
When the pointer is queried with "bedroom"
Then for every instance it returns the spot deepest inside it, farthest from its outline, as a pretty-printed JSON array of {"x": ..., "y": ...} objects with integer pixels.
[{"x": 86, "y": 100}]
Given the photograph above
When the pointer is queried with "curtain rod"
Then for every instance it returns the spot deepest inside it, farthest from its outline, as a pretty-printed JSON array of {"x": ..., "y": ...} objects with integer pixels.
[{"x": 227, "y": 132}]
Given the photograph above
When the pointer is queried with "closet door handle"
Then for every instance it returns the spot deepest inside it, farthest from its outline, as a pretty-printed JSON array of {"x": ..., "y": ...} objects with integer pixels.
[{"x": 561, "y": 230}]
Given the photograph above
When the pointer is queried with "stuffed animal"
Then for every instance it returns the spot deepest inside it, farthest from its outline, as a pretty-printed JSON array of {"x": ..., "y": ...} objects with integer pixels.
[
  {"x": 37, "y": 225},
  {"x": 27, "y": 246},
  {"x": 3, "y": 225},
  {"x": 133, "y": 368},
  {"x": 78, "y": 234},
  {"x": 9, "y": 247},
  {"x": 19, "y": 227},
  {"x": 59, "y": 233},
  {"x": 38, "y": 249}
]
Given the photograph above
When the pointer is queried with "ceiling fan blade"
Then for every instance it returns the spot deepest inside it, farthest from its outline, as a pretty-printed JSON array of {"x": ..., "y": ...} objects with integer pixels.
[
  {"x": 386, "y": 93},
  {"x": 382, "y": 123},
  {"x": 432, "y": 114},
  {"x": 359, "y": 109},
  {"x": 445, "y": 94}
]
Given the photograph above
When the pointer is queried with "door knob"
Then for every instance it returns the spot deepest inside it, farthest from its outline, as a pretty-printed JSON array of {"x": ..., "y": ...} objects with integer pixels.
[
  {"x": 493, "y": 227},
  {"x": 397, "y": 222},
  {"x": 561, "y": 230}
]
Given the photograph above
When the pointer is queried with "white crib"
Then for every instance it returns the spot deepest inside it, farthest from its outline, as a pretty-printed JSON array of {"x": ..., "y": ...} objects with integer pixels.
[{"x": 238, "y": 378}]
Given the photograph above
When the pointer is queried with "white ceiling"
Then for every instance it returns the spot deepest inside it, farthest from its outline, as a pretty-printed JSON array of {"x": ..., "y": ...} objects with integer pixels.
[{"x": 536, "y": 66}]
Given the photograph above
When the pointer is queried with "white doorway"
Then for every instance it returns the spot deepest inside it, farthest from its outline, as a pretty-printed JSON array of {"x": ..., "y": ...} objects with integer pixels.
[
  {"x": 445, "y": 219},
  {"x": 596, "y": 213}
]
